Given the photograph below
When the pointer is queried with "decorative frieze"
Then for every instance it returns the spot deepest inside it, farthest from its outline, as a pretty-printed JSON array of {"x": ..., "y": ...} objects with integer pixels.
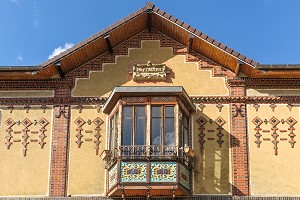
[
  {"x": 202, "y": 122},
  {"x": 274, "y": 131},
  {"x": 25, "y": 133},
  {"x": 89, "y": 132}
]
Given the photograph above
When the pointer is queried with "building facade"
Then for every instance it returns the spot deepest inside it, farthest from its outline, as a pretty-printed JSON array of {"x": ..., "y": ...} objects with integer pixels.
[{"x": 150, "y": 107}]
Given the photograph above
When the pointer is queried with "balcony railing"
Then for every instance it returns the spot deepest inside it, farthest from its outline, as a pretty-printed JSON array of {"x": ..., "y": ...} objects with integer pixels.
[{"x": 146, "y": 152}]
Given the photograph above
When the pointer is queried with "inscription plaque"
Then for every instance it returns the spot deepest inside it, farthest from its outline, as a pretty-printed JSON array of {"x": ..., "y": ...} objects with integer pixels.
[{"x": 150, "y": 71}]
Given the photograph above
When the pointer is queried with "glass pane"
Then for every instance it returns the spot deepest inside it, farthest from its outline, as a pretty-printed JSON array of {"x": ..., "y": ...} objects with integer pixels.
[
  {"x": 127, "y": 126},
  {"x": 186, "y": 137},
  {"x": 180, "y": 132},
  {"x": 155, "y": 131},
  {"x": 127, "y": 112},
  {"x": 155, "y": 112},
  {"x": 140, "y": 134},
  {"x": 185, "y": 121},
  {"x": 112, "y": 131},
  {"x": 140, "y": 138},
  {"x": 169, "y": 111},
  {"x": 127, "y": 132},
  {"x": 169, "y": 138},
  {"x": 140, "y": 111},
  {"x": 116, "y": 129}
]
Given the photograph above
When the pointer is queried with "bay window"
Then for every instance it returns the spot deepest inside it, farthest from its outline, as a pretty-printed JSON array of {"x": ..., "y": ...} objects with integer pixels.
[{"x": 149, "y": 132}]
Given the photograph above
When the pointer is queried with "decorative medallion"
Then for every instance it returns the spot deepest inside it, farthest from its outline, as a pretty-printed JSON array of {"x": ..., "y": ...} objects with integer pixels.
[
  {"x": 150, "y": 71},
  {"x": 257, "y": 121},
  {"x": 291, "y": 121},
  {"x": 274, "y": 121},
  {"x": 220, "y": 121},
  {"x": 79, "y": 122},
  {"x": 201, "y": 121}
]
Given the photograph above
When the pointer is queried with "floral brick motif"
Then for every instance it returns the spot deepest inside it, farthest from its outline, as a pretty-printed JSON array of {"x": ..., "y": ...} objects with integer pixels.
[
  {"x": 163, "y": 172},
  {"x": 184, "y": 176},
  {"x": 112, "y": 176},
  {"x": 133, "y": 172}
]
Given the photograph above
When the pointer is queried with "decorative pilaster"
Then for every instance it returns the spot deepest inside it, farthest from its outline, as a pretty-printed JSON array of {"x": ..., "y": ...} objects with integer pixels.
[
  {"x": 239, "y": 141},
  {"x": 59, "y": 152}
]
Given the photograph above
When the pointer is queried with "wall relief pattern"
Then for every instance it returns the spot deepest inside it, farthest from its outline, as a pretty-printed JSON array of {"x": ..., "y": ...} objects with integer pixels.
[
  {"x": 206, "y": 134},
  {"x": 274, "y": 134},
  {"x": 89, "y": 131},
  {"x": 24, "y": 132}
]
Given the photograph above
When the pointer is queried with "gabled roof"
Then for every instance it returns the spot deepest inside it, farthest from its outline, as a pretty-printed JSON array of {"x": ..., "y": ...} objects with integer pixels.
[{"x": 148, "y": 17}]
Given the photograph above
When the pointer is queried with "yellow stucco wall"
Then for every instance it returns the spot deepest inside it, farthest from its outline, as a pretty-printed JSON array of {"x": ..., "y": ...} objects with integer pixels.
[
  {"x": 26, "y": 93},
  {"x": 86, "y": 169},
  {"x": 25, "y": 175},
  {"x": 195, "y": 82},
  {"x": 212, "y": 169},
  {"x": 272, "y": 174},
  {"x": 272, "y": 92}
]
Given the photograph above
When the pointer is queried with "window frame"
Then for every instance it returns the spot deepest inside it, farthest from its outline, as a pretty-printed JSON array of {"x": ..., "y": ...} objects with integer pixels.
[
  {"x": 162, "y": 124},
  {"x": 134, "y": 124}
]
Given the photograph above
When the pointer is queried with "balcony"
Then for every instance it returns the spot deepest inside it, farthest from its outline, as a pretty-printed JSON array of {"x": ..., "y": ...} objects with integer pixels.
[{"x": 148, "y": 171}]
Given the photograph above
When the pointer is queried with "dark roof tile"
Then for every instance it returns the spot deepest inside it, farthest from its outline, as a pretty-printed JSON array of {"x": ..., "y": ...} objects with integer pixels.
[
  {"x": 209, "y": 39},
  {"x": 185, "y": 25},
  {"x": 179, "y": 22},
  {"x": 229, "y": 50},
  {"x": 216, "y": 43},
  {"x": 242, "y": 57},
  {"x": 173, "y": 19},
  {"x": 198, "y": 32},
  {"x": 203, "y": 36},
  {"x": 167, "y": 15},
  {"x": 161, "y": 12},
  {"x": 236, "y": 54},
  {"x": 192, "y": 29}
]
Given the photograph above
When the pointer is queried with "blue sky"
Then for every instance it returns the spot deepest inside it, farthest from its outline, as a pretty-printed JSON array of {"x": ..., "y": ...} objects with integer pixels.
[{"x": 267, "y": 31}]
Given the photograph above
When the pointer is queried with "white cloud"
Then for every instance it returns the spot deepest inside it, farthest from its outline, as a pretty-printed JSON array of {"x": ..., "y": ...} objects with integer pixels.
[
  {"x": 13, "y": 1},
  {"x": 36, "y": 23},
  {"x": 60, "y": 49},
  {"x": 36, "y": 11},
  {"x": 19, "y": 58}
]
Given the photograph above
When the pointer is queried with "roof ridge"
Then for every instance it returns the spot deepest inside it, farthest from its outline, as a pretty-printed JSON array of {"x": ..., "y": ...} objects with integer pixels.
[{"x": 205, "y": 37}]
